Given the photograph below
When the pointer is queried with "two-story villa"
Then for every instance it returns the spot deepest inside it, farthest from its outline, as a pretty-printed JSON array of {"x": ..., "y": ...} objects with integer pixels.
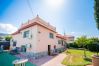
[{"x": 38, "y": 37}]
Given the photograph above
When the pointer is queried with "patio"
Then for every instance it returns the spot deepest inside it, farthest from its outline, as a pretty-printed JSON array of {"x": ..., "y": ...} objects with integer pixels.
[{"x": 38, "y": 61}]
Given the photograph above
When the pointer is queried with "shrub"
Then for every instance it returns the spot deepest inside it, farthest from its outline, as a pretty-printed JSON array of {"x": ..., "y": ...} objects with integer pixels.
[
  {"x": 93, "y": 47},
  {"x": 72, "y": 45}
]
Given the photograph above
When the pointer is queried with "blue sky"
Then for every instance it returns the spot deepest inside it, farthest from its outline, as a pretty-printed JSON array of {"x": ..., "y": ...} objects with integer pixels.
[{"x": 75, "y": 17}]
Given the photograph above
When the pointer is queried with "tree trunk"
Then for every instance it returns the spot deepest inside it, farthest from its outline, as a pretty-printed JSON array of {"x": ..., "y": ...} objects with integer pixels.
[{"x": 84, "y": 52}]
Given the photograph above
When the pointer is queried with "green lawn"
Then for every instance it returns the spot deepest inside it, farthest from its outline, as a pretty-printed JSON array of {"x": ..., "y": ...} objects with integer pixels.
[
  {"x": 76, "y": 58},
  {"x": 6, "y": 60}
]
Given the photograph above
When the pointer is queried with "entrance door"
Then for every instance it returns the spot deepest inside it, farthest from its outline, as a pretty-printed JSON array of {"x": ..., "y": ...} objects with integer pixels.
[
  {"x": 49, "y": 49},
  {"x": 23, "y": 48}
]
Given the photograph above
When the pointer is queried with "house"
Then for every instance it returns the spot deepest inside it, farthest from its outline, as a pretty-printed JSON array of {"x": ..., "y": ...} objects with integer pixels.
[
  {"x": 69, "y": 39},
  {"x": 38, "y": 37}
]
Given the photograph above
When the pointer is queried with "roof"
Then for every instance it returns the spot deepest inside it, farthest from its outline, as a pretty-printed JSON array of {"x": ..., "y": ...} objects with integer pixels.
[
  {"x": 60, "y": 36},
  {"x": 64, "y": 37},
  {"x": 35, "y": 21},
  {"x": 69, "y": 36}
]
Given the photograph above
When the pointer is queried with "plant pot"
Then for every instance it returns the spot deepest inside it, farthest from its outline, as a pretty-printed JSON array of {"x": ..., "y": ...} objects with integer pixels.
[{"x": 95, "y": 60}]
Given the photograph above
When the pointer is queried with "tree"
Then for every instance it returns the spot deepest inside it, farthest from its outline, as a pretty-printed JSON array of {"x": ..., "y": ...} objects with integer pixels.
[
  {"x": 93, "y": 44},
  {"x": 8, "y": 38},
  {"x": 96, "y": 12},
  {"x": 82, "y": 42}
]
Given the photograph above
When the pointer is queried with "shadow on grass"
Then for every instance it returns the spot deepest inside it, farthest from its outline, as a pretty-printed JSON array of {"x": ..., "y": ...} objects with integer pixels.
[{"x": 88, "y": 59}]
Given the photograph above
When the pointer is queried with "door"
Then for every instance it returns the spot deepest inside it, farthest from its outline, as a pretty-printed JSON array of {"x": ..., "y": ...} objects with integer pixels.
[
  {"x": 23, "y": 48},
  {"x": 49, "y": 49}
]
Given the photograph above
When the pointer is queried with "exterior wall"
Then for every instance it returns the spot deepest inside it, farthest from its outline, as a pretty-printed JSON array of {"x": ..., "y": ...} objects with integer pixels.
[
  {"x": 44, "y": 40},
  {"x": 31, "y": 40},
  {"x": 59, "y": 45}
]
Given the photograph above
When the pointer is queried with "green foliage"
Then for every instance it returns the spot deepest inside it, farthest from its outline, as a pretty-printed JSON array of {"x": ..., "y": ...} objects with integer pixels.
[
  {"x": 96, "y": 12},
  {"x": 87, "y": 42},
  {"x": 81, "y": 41},
  {"x": 72, "y": 45},
  {"x": 91, "y": 44},
  {"x": 8, "y": 38},
  {"x": 93, "y": 47}
]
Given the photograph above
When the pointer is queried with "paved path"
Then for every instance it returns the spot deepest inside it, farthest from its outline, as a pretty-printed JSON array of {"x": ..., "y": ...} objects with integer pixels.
[{"x": 56, "y": 61}]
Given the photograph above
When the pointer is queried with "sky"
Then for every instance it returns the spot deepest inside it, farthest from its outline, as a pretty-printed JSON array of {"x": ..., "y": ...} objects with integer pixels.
[{"x": 74, "y": 17}]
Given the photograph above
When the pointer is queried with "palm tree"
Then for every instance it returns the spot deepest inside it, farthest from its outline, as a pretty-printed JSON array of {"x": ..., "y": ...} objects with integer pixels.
[
  {"x": 82, "y": 42},
  {"x": 96, "y": 12}
]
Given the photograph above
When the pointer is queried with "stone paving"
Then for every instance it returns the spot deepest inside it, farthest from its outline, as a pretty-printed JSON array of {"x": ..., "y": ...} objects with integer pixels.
[
  {"x": 56, "y": 61},
  {"x": 47, "y": 60},
  {"x": 43, "y": 60},
  {"x": 37, "y": 62}
]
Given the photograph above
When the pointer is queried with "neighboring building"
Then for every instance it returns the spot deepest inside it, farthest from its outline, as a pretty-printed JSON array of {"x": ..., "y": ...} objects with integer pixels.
[
  {"x": 69, "y": 38},
  {"x": 38, "y": 37}
]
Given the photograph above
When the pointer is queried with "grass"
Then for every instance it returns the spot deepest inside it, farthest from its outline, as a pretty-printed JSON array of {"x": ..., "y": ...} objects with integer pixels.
[
  {"x": 6, "y": 60},
  {"x": 76, "y": 58}
]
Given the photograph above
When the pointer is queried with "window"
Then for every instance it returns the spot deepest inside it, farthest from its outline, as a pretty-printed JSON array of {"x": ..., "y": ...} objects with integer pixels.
[
  {"x": 26, "y": 34},
  {"x": 28, "y": 46},
  {"x": 62, "y": 42},
  {"x": 59, "y": 41},
  {"x": 14, "y": 43},
  {"x": 51, "y": 35}
]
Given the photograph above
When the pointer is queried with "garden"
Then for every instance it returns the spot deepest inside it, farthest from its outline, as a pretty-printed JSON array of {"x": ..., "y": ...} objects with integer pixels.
[
  {"x": 75, "y": 57},
  {"x": 81, "y": 51}
]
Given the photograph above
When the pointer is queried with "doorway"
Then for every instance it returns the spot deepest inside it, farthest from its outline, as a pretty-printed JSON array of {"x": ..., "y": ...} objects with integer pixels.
[
  {"x": 49, "y": 49},
  {"x": 23, "y": 48}
]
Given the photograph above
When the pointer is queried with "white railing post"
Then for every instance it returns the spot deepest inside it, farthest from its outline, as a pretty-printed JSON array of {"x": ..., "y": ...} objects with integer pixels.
[{"x": 20, "y": 62}]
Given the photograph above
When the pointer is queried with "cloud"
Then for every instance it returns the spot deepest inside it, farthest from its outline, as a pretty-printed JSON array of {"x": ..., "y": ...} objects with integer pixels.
[
  {"x": 72, "y": 32},
  {"x": 8, "y": 28}
]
